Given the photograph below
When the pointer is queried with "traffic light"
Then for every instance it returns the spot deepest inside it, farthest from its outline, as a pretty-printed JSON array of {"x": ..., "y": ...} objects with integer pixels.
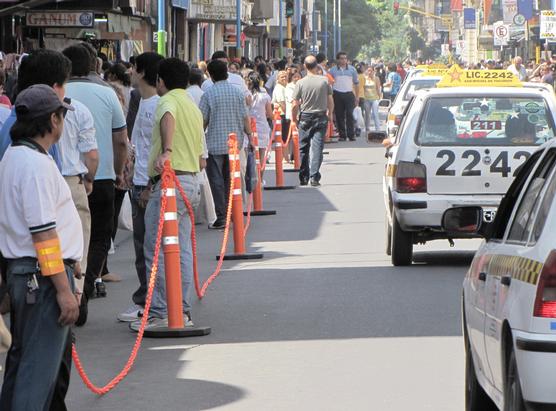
[
  {"x": 396, "y": 8},
  {"x": 289, "y": 8}
]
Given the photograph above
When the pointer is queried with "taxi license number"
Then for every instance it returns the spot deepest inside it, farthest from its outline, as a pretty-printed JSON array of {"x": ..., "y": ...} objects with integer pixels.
[{"x": 472, "y": 159}]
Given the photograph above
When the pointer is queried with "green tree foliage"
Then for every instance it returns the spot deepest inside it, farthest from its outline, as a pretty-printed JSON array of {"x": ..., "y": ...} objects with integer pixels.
[{"x": 359, "y": 25}]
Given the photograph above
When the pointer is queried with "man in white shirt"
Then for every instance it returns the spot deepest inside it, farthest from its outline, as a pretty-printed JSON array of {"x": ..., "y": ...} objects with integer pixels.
[
  {"x": 144, "y": 75},
  {"x": 518, "y": 69},
  {"x": 41, "y": 239}
]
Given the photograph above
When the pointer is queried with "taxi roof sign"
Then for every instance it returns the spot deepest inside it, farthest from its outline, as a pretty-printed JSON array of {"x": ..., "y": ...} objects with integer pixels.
[
  {"x": 436, "y": 66},
  {"x": 457, "y": 77}
]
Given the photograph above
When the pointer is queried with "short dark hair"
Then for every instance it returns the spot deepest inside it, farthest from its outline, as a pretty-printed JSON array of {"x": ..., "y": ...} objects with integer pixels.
[
  {"x": 321, "y": 57},
  {"x": 43, "y": 66},
  {"x": 392, "y": 67},
  {"x": 80, "y": 58},
  {"x": 174, "y": 72},
  {"x": 280, "y": 65},
  {"x": 196, "y": 77},
  {"x": 340, "y": 54},
  {"x": 38, "y": 126},
  {"x": 94, "y": 54},
  {"x": 218, "y": 70},
  {"x": 119, "y": 71},
  {"x": 254, "y": 81},
  {"x": 147, "y": 63},
  {"x": 219, "y": 55}
]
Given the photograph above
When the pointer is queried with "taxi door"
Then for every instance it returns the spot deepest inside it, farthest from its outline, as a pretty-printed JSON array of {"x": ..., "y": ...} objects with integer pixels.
[{"x": 513, "y": 264}]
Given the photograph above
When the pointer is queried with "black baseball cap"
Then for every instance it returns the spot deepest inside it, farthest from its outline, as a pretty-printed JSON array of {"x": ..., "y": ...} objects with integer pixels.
[{"x": 38, "y": 100}]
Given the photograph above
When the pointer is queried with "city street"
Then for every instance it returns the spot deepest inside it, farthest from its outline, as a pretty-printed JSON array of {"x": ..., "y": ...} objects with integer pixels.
[{"x": 323, "y": 322}]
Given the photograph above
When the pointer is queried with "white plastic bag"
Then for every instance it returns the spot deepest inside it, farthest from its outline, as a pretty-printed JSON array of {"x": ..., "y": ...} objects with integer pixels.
[
  {"x": 125, "y": 219},
  {"x": 358, "y": 117}
]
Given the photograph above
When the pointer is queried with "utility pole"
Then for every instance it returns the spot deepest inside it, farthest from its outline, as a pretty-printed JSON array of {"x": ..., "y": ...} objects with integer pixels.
[
  {"x": 325, "y": 31},
  {"x": 239, "y": 51},
  {"x": 281, "y": 27},
  {"x": 298, "y": 29},
  {"x": 335, "y": 24},
  {"x": 339, "y": 25},
  {"x": 161, "y": 45}
]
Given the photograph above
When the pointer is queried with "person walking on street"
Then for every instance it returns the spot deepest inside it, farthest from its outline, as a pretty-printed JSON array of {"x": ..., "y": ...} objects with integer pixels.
[
  {"x": 41, "y": 240},
  {"x": 371, "y": 97},
  {"x": 144, "y": 75},
  {"x": 224, "y": 112},
  {"x": 261, "y": 111},
  {"x": 111, "y": 135},
  {"x": 393, "y": 82},
  {"x": 345, "y": 95},
  {"x": 177, "y": 137},
  {"x": 312, "y": 110},
  {"x": 279, "y": 98}
]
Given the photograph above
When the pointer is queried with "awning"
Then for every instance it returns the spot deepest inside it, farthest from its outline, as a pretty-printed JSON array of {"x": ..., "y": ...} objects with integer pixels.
[
  {"x": 180, "y": 4},
  {"x": 8, "y": 11}
]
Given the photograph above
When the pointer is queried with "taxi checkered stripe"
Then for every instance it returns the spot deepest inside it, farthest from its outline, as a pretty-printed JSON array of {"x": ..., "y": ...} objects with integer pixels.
[{"x": 520, "y": 268}]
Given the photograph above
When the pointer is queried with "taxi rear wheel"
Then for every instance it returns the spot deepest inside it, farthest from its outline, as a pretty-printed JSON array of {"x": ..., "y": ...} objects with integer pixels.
[
  {"x": 402, "y": 244},
  {"x": 513, "y": 397},
  {"x": 476, "y": 399}
]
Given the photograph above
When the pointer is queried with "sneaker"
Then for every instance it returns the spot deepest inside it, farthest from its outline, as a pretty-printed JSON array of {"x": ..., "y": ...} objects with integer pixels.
[
  {"x": 187, "y": 321},
  {"x": 111, "y": 278},
  {"x": 218, "y": 225},
  {"x": 303, "y": 181},
  {"x": 133, "y": 313},
  {"x": 352, "y": 139},
  {"x": 152, "y": 322},
  {"x": 100, "y": 289},
  {"x": 342, "y": 139},
  {"x": 315, "y": 183}
]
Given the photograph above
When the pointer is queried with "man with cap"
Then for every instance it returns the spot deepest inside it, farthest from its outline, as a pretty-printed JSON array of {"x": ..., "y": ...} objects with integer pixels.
[{"x": 41, "y": 239}]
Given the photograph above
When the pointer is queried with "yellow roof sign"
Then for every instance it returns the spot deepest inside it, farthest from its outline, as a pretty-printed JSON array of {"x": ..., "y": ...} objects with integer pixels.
[
  {"x": 434, "y": 72},
  {"x": 431, "y": 66},
  {"x": 456, "y": 77}
]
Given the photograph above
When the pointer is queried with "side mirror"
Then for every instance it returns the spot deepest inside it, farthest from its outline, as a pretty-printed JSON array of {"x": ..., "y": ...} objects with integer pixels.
[
  {"x": 376, "y": 136},
  {"x": 385, "y": 103},
  {"x": 463, "y": 220}
]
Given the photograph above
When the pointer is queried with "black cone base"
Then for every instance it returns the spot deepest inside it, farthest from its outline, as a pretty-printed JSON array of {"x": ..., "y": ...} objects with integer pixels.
[
  {"x": 247, "y": 256},
  {"x": 261, "y": 213},
  {"x": 292, "y": 170},
  {"x": 165, "y": 332},
  {"x": 280, "y": 188}
]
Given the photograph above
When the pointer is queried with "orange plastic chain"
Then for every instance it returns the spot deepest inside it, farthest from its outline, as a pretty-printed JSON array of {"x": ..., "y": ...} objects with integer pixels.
[{"x": 166, "y": 175}]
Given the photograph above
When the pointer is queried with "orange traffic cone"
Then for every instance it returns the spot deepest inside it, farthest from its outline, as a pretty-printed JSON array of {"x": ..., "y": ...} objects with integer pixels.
[
  {"x": 279, "y": 154},
  {"x": 237, "y": 208}
]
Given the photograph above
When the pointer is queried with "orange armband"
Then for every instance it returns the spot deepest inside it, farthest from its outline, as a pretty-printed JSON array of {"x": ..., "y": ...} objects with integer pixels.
[{"x": 49, "y": 254}]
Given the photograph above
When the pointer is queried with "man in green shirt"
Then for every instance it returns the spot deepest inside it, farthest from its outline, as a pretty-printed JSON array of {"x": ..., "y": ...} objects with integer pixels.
[{"x": 178, "y": 137}]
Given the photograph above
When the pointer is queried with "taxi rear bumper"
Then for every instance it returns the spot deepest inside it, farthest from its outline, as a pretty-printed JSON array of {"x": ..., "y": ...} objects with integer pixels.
[
  {"x": 422, "y": 211},
  {"x": 536, "y": 363}
]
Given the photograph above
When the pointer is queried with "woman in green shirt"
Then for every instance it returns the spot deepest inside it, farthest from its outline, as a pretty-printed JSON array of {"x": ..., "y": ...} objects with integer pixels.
[{"x": 372, "y": 97}]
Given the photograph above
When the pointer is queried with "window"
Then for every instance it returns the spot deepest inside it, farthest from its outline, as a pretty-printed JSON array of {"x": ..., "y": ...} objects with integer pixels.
[
  {"x": 544, "y": 208},
  {"x": 485, "y": 121},
  {"x": 523, "y": 220},
  {"x": 504, "y": 212},
  {"x": 417, "y": 85}
]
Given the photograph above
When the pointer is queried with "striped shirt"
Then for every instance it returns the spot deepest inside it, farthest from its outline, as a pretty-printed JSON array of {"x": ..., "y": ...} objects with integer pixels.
[{"x": 344, "y": 79}]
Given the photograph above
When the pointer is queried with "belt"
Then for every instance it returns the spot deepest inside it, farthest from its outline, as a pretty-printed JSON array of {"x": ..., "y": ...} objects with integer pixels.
[
  {"x": 32, "y": 262},
  {"x": 157, "y": 178}
]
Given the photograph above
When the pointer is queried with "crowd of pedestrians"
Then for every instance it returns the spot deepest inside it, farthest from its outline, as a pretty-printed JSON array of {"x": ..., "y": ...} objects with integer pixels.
[{"x": 81, "y": 135}]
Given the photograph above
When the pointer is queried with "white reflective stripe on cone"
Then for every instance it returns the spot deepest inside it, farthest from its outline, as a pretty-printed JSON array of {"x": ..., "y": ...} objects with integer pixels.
[
  {"x": 234, "y": 157},
  {"x": 170, "y": 216},
  {"x": 168, "y": 192},
  {"x": 237, "y": 191},
  {"x": 278, "y": 144},
  {"x": 170, "y": 240},
  {"x": 237, "y": 174}
]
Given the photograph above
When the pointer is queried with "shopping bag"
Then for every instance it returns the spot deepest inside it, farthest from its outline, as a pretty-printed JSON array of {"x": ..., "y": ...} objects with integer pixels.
[
  {"x": 358, "y": 117},
  {"x": 125, "y": 219}
]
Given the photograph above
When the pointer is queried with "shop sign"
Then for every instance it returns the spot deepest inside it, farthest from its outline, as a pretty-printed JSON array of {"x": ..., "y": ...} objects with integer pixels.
[
  {"x": 60, "y": 19},
  {"x": 208, "y": 10},
  {"x": 548, "y": 24}
]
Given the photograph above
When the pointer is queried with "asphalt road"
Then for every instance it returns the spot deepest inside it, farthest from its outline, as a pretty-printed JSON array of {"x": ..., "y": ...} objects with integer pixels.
[{"x": 323, "y": 322}]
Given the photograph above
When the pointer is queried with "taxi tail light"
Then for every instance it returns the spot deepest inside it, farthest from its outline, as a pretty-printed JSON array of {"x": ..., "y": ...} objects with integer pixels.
[
  {"x": 545, "y": 302},
  {"x": 411, "y": 178}
]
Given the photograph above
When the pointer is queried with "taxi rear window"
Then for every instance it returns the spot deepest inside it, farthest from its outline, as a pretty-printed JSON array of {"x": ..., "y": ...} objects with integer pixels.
[
  {"x": 417, "y": 85},
  {"x": 485, "y": 121}
]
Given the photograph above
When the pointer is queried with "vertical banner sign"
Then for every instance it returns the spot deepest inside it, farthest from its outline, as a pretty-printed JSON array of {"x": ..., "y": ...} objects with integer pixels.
[
  {"x": 487, "y": 6},
  {"x": 509, "y": 10},
  {"x": 525, "y": 8},
  {"x": 548, "y": 25},
  {"x": 456, "y": 5},
  {"x": 469, "y": 19}
]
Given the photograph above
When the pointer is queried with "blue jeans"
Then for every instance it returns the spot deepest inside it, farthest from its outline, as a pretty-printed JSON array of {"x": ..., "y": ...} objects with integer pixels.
[
  {"x": 39, "y": 341},
  {"x": 191, "y": 187},
  {"x": 312, "y": 130},
  {"x": 371, "y": 107}
]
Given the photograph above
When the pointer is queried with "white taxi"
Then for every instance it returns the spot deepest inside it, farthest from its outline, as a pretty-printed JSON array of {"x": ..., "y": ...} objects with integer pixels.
[
  {"x": 408, "y": 89},
  {"x": 509, "y": 294},
  {"x": 459, "y": 146}
]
